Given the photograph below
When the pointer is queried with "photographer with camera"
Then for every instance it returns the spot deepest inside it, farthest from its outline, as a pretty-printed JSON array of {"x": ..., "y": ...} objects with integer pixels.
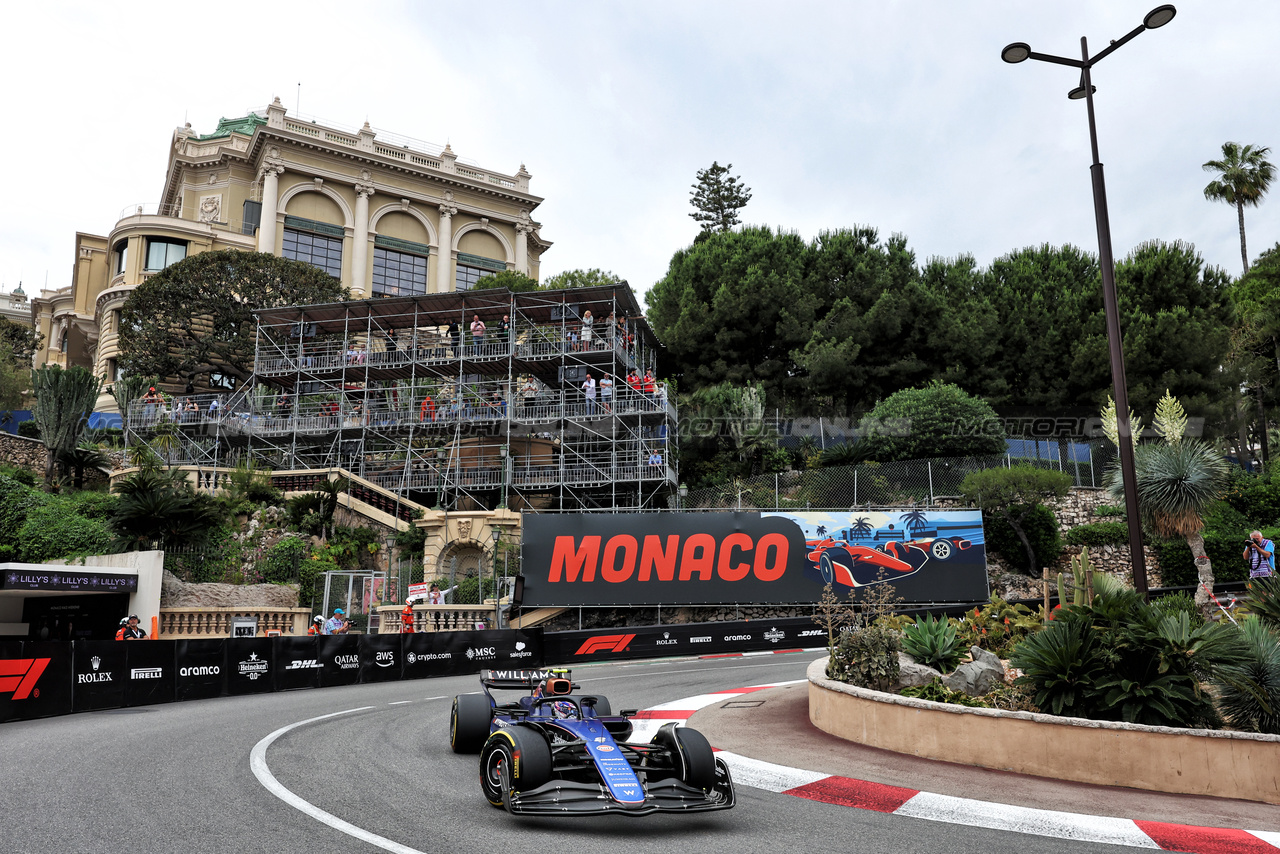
[
  {"x": 1261, "y": 555},
  {"x": 338, "y": 624}
]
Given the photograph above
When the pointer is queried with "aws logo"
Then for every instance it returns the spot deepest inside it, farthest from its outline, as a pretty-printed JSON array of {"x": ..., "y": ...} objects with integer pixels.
[
  {"x": 18, "y": 676},
  {"x": 605, "y": 643}
]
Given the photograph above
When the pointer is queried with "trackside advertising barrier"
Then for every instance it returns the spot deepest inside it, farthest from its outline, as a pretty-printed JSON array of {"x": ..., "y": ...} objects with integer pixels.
[
  {"x": 606, "y": 559},
  {"x": 568, "y": 648},
  {"x": 56, "y": 678}
]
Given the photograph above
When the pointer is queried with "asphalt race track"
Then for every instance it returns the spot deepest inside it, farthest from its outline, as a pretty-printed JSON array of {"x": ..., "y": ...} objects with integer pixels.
[{"x": 181, "y": 778}]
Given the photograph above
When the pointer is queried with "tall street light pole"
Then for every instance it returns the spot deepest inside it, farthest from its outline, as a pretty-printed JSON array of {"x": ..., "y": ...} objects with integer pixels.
[{"x": 1019, "y": 52}]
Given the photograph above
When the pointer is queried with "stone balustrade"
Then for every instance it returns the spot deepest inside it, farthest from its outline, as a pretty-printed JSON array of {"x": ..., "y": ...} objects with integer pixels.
[
  {"x": 437, "y": 618},
  {"x": 189, "y": 623}
]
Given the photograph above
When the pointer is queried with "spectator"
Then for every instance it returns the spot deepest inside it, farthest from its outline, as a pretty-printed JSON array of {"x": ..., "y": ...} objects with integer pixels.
[
  {"x": 649, "y": 387},
  {"x": 477, "y": 333},
  {"x": 338, "y": 624},
  {"x": 1261, "y": 555},
  {"x": 504, "y": 330},
  {"x": 589, "y": 390},
  {"x": 427, "y": 412},
  {"x": 606, "y": 392},
  {"x": 124, "y": 621},
  {"x": 588, "y": 328},
  {"x": 132, "y": 631},
  {"x": 150, "y": 400},
  {"x": 317, "y": 626},
  {"x": 655, "y": 458},
  {"x": 214, "y": 408},
  {"x": 455, "y": 338}
]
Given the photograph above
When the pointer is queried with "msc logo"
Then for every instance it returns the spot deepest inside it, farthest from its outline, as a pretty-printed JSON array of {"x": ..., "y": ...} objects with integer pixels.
[
  {"x": 18, "y": 676},
  {"x": 604, "y": 643}
]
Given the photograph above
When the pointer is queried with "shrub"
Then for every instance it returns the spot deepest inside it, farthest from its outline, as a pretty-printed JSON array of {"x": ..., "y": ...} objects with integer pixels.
[
  {"x": 1250, "y": 697},
  {"x": 1041, "y": 527},
  {"x": 281, "y": 562},
  {"x": 93, "y": 505},
  {"x": 1099, "y": 534},
  {"x": 932, "y": 640},
  {"x": 53, "y": 531},
  {"x": 16, "y": 501},
  {"x": 939, "y": 420},
  {"x": 1179, "y": 603},
  {"x": 866, "y": 656},
  {"x": 29, "y": 430},
  {"x": 997, "y": 626},
  {"x": 939, "y": 693},
  {"x": 1062, "y": 665},
  {"x": 1109, "y": 510},
  {"x": 1263, "y": 600},
  {"x": 21, "y": 475},
  {"x": 1255, "y": 496}
]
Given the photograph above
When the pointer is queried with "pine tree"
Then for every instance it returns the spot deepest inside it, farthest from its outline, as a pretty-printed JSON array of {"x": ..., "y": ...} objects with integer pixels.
[{"x": 718, "y": 196}]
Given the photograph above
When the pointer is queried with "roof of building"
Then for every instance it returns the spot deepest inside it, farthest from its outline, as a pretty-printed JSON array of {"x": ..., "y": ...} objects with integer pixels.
[{"x": 245, "y": 125}]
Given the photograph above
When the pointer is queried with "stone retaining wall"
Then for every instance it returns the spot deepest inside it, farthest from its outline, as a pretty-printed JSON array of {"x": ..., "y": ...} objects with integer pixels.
[
  {"x": 1218, "y": 763},
  {"x": 22, "y": 452}
]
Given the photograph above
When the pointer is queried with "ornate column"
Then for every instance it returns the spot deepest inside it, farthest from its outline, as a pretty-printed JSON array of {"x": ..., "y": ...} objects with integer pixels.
[
  {"x": 360, "y": 255},
  {"x": 523, "y": 229},
  {"x": 270, "y": 174},
  {"x": 444, "y": 259}
]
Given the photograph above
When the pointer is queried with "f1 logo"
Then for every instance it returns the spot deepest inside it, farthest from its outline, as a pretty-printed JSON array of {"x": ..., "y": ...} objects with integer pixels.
[
  {"x": 604, "y": 643},
  {"x": 18, "y": 676}
]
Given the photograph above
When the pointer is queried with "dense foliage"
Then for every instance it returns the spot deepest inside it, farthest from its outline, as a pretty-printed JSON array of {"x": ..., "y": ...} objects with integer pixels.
[
  {"x": 195, "y": 317},
  {"x": 866, "y": 656},
  {"x": 939, "y": 420},
  {"x": 1012, "y": 500}
]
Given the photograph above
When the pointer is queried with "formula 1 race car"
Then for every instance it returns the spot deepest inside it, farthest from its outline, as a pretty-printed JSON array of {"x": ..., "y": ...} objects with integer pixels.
[
  {"x": 555, "y": 753},
  {"x": 851, "y": 565}
]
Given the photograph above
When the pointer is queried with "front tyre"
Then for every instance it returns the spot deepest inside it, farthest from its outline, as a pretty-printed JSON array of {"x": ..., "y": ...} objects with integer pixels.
[
  {"x": 469, "y": 722},
  {"x": 942, "y": 549},
  {"x": 515, "y": 757},
  {"x": 695, "y": 763}
]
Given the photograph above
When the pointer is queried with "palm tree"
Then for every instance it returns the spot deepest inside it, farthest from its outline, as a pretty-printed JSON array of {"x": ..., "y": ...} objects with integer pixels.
[
  {"x": 1176, "y": 484},
  {"x": 1244, "y": 178}
]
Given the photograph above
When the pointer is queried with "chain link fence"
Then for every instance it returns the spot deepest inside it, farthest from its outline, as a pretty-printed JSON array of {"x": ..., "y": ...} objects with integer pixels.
[{"x": 892, "y": 484}]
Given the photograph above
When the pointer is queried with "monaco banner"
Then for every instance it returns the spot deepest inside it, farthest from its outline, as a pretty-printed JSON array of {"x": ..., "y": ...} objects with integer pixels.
[{"x": 751, "y": 557}]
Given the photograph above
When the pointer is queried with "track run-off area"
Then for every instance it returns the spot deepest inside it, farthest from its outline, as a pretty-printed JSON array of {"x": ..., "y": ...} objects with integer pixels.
[{"x": 368, "y": 768}]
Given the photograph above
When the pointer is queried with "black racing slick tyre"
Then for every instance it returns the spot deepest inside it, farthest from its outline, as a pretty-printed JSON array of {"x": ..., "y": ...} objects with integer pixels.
[
  {"x": 469, "y": 722},
  {"x": 513, "y": 756},
  {"x": 691, "y": 752},
  {"x": 602, "y": 707}
]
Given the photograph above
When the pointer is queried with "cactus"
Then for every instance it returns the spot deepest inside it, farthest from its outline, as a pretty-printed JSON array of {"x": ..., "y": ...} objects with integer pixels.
[{"x": 1081, "y": 569}]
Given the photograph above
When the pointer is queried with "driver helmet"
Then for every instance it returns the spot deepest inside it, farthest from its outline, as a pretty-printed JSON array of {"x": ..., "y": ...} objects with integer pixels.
[{"x": 564, "y": 709}]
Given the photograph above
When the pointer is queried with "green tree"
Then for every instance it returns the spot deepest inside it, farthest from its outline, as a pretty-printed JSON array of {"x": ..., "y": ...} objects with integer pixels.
[
  {"x": 939, "y": 420},
  {"x": 509, "y": 279},
  {"x": 195, "y": 317},
  {"x": 64, "y": 399},
  {"x": 732, "y": 308},
  {"x": 23, "y": 341},
  {"x": 1013, "y": 495},
  {"x": 159, "y": 509},
  {"x": 1244, "y": 176},
  {"x": 580, "y": 279},
  {"x": 717, "y": 197},
  {"x": 15, "y": 380}
]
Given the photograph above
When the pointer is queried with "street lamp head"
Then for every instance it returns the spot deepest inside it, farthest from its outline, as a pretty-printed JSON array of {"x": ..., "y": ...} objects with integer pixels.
[
  {"x": 497, "y": 534},
  {"x": 1159, "y": 16},
  {"x": 1077, "y": 93},
  {"x": 1020, "y": 51}
]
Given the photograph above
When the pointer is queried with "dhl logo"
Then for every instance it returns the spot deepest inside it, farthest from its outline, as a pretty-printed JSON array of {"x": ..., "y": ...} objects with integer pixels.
[
  {"x": 18, "y": 676},
  {"x": 604, "y": 643}
]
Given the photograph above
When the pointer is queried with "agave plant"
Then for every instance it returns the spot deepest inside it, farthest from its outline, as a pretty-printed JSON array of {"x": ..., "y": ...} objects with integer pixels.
[
  {"x": 1250, "y": 695},
  {"x": 932, "y": 641}
]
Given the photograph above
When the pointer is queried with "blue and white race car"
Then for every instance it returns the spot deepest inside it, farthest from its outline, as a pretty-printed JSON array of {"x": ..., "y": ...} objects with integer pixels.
[{"x": 552, "y": 752}]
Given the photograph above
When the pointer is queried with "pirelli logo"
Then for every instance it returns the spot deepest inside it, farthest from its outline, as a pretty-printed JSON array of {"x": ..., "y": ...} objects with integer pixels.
[
  {"x": 604, "y": 643},
  {"x": 18, "y": 676}
]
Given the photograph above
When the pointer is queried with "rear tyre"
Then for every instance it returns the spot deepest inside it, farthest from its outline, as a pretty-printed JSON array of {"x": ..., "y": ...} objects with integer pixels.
[
  {"x": 824, "y": 566},
  {"x": 517, "y": 756},
  {"x": 602, "y": 707},
  {"x": 695, "y": 763},
  {"x": 469, "y": 722}
]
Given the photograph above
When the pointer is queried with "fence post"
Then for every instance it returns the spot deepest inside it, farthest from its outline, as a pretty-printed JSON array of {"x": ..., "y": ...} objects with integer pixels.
[
  {"x": 777, "y": 495},
  {"x": 1008, "y": 461},
  {"x": 1091, "y": 480},
  {"x": 928, "y": 464},
  {"x": 855, "y": 486}
]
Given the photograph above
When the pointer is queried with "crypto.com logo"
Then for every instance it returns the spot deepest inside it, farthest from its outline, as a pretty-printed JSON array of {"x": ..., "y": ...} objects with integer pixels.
[
  {"x": 18, "y": 676},
  {"x": 604, "y": 643}
]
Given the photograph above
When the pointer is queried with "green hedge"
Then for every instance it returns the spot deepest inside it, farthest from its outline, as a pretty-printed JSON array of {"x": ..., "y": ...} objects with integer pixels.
[
  {"x": 282, "y": 562},
  {"x": 16, "y": 501},
  {"x": 1041, "y": 527},
  {"x": 53, "y": 530},
  {"x": 1099, "y": 534},
  {"x": 1178, "y": 568}
]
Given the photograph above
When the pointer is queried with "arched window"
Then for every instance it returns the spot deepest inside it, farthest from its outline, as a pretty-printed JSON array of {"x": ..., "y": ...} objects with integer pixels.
[{"x": 121, "y": 251}]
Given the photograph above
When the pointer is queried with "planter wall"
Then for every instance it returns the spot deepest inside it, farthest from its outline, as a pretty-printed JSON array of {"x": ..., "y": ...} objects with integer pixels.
[{"x": 1159, "y": 759}]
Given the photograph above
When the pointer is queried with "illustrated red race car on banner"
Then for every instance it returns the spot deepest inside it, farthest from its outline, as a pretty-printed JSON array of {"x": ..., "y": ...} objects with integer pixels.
[{"x": 853, "y": 565}]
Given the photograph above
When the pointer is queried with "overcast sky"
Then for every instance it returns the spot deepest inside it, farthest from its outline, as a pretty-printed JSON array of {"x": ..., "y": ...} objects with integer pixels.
[{"x": 898, "y": 115}]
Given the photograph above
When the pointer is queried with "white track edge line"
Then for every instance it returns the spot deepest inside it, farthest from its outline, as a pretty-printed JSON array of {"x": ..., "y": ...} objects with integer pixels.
[{"x": 258, "y": 764}]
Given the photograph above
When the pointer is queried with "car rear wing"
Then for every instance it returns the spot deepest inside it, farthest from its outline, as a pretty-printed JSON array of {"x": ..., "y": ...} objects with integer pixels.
[{"x": 521, "y": 679}]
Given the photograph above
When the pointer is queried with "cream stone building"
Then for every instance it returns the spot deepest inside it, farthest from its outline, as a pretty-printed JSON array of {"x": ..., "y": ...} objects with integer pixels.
[{"x": 387, "y": 215}]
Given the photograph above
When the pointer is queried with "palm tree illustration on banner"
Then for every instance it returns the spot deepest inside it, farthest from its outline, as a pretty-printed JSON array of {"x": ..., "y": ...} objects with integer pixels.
[
  {"x": 822, "y": 530},
  {"x": 915, "y": 521},
  {"x": 861, "y": 527}
]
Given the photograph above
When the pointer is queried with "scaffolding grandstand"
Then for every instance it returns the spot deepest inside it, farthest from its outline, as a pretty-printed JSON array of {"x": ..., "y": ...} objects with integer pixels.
[{"x": 406, "y": 394}]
